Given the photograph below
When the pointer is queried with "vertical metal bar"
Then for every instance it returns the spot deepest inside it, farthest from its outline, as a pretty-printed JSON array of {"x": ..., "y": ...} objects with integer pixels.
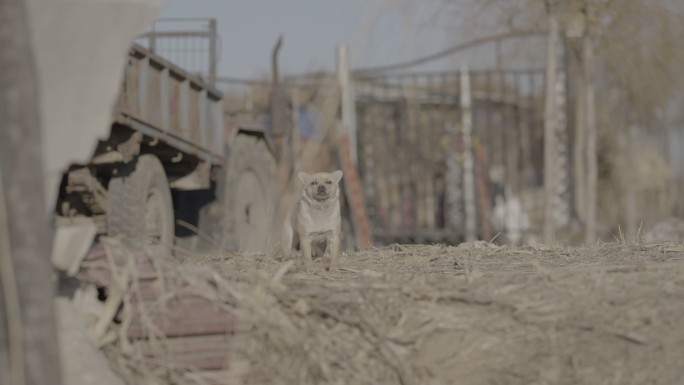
[
  {"x": 488, "y": 117},
  {"x": 152, "y": 41},
  {"x": 498, "y": 55},
  {"x": 212, "y": 52},
  {"x": 450, "y": 181},
  {"x": 143, "y": 70},
  {"x": 183, "y": 47},
  {"x": 468, "y": 173},
  {"x": 400, "y": 164},
  {"x": 520, "y": 134},
  {"x": 431, "y": 133},
  {"x": 510, "y": 142},
  {"x": 532, "y": 114},
  {"x": 500, "y": 108},
  {"x": 421, "y": 143},
  {"x": 591, "y": 155},
  {"x": 205, "y": 137},
  {"x": 198, "y": 54},
  {"x": 193, "y": 54},
  {"x": 164, "y": 98},
  {"x": 184, "y": 108},
  {"x": 414, "y": 158},
  {"x": 249, "y": 100},
  {"x": 550, "y": 133},
  {"x": 378, "y": 166}
]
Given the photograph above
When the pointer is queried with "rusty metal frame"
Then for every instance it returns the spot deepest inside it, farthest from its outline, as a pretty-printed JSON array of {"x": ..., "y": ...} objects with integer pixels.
[
  {"x": 170, "y": 139},
  {"x": 210, "y": 33}
]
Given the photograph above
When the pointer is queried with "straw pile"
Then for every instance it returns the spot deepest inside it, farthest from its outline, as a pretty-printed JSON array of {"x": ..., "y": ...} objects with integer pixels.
[{"x": 474, "y": 314}]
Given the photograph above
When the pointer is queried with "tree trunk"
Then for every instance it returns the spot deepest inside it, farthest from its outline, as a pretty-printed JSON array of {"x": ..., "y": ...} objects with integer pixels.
[
  {"x": 630, "y": 184},
  {"x": 28, "y": 343},
  {"x": 591, "y": 161},
  {"x": 579, "y": 150},
  {"x": 550, "y": 133}
]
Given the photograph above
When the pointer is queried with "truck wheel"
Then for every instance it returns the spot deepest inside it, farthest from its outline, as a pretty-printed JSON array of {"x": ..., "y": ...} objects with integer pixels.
[
  {"x": 249, "y": 196},
  {"x": 140, "y": 206}
]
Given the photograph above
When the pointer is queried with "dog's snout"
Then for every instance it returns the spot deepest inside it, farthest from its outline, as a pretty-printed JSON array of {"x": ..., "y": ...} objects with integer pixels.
[{"x": 321, "y": 188}]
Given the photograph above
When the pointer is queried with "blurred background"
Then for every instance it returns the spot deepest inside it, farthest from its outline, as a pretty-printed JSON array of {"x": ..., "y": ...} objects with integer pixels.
[{"x": 512, "y": 121}]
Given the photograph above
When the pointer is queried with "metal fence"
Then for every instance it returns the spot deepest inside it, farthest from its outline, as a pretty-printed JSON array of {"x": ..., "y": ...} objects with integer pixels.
[
  {"x": 191, "y": 43},
  {"x": 414, "y": 146},
  {"x": 424, "y": 178}
]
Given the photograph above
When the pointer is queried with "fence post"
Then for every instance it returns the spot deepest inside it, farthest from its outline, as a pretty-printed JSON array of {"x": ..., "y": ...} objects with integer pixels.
[
  {"x": 591, "y": 160},
  {"x": 550, "y": 133},
  {"x": 562, "y": 162},
  {"x": 468, "y": 172},
  {"x": 347, "y": 153},
  {"x": 348, "y": 99}
]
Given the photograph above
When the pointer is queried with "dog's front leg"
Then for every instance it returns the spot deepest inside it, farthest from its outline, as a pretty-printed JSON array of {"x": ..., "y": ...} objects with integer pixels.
[
  {"x": 305, "y": 245},
  {"x": 334, "y": 247},
  {"x": 286, "y": 241}
]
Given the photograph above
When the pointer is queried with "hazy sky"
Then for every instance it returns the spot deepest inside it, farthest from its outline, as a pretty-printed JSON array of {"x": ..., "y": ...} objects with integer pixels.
[{"x": 376, "y": 33}]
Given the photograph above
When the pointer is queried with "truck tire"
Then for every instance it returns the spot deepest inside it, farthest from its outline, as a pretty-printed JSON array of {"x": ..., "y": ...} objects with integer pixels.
[
  {"x": 249, "y": 196},
  {"x": 140, "y": 206}
]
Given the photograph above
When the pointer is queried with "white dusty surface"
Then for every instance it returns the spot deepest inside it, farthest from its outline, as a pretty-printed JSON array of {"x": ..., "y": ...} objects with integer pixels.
[{"x": 82, "y": 362}]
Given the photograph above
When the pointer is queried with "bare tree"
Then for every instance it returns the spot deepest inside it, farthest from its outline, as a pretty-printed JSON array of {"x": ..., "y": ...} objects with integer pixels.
[
  {"x": 590, "y": 135},
  {"x": 629, "y": 47}
]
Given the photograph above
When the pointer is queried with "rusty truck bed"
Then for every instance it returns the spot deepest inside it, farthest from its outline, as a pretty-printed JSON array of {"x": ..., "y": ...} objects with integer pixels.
[{"x": 164, "y": 101}]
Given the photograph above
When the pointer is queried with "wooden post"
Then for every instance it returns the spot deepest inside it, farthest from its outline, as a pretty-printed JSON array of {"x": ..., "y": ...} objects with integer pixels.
[
  {"x": 579, "y": 148},
  {"x": 468, "y": 164},
  {"x": 591, "y": 160},
  {"x": 550, "y": 133},
  {"x": 630, "y": 185},
  {"x": 28, "y": 340},
  {"x": 348, "y": 99},
  {"x": 347, "y": 152},
  {"x": 561, "y": 158}
]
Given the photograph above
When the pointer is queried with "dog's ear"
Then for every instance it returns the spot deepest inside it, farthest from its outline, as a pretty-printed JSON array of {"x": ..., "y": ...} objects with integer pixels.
[
  {"x": 337, "y": 175},
  {"x": 303, "y": 177}
]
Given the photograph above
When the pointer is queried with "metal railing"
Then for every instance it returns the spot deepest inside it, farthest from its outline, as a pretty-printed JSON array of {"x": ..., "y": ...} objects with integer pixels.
[{"x": 191, "y": 43}]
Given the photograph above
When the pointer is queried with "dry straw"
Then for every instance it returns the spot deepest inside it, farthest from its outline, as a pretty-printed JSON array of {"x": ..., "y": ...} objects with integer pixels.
[{"x": 475, "y": 314}]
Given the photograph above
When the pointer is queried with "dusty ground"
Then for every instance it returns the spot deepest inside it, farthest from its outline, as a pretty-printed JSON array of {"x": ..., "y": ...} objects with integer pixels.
[{"x": 474, "y": 314}]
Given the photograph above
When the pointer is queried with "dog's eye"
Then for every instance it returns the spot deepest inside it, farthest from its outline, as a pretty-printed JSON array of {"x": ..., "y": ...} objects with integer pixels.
[
  {"x": 313, "y": 183},
  {"x": 328, "y": 182}
]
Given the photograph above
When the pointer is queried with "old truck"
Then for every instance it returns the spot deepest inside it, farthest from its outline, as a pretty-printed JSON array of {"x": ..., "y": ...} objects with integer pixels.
[{"x": 173, "y": 175}]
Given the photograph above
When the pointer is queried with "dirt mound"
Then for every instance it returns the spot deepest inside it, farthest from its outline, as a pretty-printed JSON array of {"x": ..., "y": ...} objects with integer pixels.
[{"x": 475, "y": 314}]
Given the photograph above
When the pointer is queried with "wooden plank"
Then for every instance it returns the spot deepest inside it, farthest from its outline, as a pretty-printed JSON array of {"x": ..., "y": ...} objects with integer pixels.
[
  {"x": 98, "y": 272},
  {"x": 214, "y": 377},
  {"x": 201, "y": 352},
  {"x": 95, "y": 267},
  {"x": 186, "y": 316},
  {"x": 354, "y": 194}
]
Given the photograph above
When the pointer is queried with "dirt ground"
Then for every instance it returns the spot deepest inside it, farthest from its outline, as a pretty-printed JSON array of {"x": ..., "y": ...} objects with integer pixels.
[{"x": 473, "y": 314}]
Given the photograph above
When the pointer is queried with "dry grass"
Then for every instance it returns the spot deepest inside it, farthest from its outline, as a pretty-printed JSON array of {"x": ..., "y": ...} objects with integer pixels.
[{"x": 474, "y": 314}]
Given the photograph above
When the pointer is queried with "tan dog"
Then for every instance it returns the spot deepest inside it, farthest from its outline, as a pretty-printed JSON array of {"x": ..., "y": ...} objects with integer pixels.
[{"x": 315, "y": 220}]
